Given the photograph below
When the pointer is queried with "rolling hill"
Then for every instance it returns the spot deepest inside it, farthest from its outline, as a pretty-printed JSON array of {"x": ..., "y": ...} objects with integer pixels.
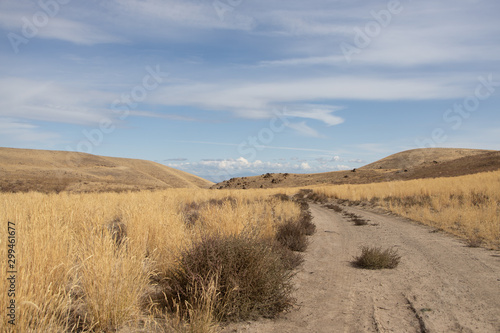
[
  {"x": 422, "y": 157},
  {"x": 411, "y": 164},
  {"x": 55, "y": 171}
]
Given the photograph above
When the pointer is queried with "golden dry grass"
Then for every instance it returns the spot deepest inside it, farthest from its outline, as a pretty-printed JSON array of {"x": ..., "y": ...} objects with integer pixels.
[
  {"x": 70, "y": 269},
  {"x": 466, "y": 206},
  {"x": 24, "y": 170}
]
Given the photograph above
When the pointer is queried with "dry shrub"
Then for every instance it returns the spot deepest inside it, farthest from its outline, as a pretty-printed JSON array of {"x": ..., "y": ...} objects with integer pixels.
[
  {"x": 304, "y": 205},
  {"x": 290, "y": 259},
  {"x": 302, "y": 194},
  {"x": 281, "y": 196},
  {"x": 192, "y": 211},
  {"x": 249, "y": 278},
  {"x": 359, "y": 221},
  {"x": 474, "y": 239},
  {"x": 301, "y": 198},
  {"x": 291, "y": 234},
  {"x": 318, "y": 197},
  {"x": 306, "y": 224},
  {"x": 118, "y": 231},
  {"x": 335, "y": 208},
  {"x": 410, "y": 201},
  {"x": 376, "y": 258}
]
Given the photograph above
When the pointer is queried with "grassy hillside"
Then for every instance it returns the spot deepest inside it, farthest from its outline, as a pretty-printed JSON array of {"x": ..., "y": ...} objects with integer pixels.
[
  {"x": 54, "y": 171},
  {"x": 421, "y": 157},
  {"x": 412, "y": 164}
]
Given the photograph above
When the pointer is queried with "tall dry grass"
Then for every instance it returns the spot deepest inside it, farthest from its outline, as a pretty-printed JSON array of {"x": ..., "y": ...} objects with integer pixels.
[
  {"x": 72, "y": 271},
  {"x": 466, "y": 206}
]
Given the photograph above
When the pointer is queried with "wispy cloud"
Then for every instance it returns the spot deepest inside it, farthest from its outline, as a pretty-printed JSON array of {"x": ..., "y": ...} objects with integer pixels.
[
  {"x": 424, "y": 33},
  {"x": 12, "y": 130},
  {"x": 303, "y": 129},
  {"x": 78, "y": 33},
  {"x": 51, "y": 101},
  {"x": 149, "y": 114},
  {"x": 24, "y": 20},
  {"x": 258, "y": 100},
  {"x": 258, "y": 146}
]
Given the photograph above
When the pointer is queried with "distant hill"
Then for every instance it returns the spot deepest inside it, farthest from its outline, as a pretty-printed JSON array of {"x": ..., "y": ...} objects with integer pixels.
[
  {"x": 411, "y": 164},
  {"x": 55, "y": 171},
  {"x": 421, "y": 157}
]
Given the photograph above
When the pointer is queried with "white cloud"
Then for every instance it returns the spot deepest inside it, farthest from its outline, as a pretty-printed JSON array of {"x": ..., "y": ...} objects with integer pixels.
[
  {"x": 305, "y": 166},
  {"x": 219, "y": 170}
]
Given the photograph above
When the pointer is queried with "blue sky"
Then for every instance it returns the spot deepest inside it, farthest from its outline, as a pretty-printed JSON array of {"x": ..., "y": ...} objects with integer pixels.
[{"x": 236, "y": 87}]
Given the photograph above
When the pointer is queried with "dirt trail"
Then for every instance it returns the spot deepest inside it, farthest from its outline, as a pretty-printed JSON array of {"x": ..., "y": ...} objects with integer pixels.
[{"x": 440, "y": 285}]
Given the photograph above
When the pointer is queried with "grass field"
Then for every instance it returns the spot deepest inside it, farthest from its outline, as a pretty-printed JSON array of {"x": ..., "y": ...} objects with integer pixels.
[
  {"x": 102, "y": 262},
  {"x": 88, "y": 260},
  {"x": 466, "y": 206}
]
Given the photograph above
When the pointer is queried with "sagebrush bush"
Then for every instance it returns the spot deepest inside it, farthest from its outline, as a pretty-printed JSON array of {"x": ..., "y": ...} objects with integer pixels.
[
  {"x": 358, "y": 220},
  {"x": 376, "y": 258},
  {"x": 281, "y": 196},
  {"x": 336, "y": 208},
  {"x": 302, "y": 194},
  {"x": 474, "y": 239},
  {"x": 290, "y": 259},
  {"x": 118, "y": 231},
  {"x": 250, "y": 278},
  {"x": 318, "y": 197},
  {"x": 306, "y": 224},
  {"x": 291, "y": 234}
]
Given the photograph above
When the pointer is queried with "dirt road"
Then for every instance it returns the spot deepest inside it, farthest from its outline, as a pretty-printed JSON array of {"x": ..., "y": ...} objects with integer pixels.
[{"x": 440, "y": 285}]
